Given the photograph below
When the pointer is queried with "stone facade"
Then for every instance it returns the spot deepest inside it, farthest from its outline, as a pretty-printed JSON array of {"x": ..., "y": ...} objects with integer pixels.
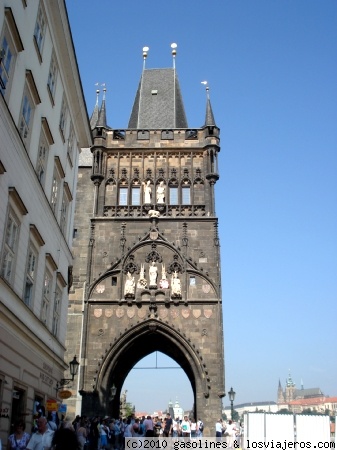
[{"x": 145, "y": 203}]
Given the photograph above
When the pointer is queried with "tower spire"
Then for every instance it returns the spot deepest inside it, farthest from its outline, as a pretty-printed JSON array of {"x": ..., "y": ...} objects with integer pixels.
[
  {"x": 94, "y": 116},
  {"x": 145, "y": 50},
  {"x": 101, "y": 122},
  {"x": 209, "y": 118}
]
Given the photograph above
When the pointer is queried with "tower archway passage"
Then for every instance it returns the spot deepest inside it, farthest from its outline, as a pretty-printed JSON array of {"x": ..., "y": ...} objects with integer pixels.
[{"x": 146, "y": 274}]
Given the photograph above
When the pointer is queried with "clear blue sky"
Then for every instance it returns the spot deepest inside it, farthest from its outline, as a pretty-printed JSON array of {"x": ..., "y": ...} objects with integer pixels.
[{"x": 272, "y": 71}]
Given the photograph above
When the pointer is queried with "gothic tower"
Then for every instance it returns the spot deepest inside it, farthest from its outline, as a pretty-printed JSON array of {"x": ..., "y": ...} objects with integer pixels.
[{"x": 146, "y": 273}]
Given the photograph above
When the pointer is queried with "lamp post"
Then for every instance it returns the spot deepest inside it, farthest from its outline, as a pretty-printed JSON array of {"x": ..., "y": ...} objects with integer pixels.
[
  {"x": 73, "y": 368},
  {"x": 231, "y": 395}
]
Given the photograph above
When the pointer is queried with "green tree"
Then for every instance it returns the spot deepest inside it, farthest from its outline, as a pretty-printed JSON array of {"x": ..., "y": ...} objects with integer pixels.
[{"x": 284, "y": 411}]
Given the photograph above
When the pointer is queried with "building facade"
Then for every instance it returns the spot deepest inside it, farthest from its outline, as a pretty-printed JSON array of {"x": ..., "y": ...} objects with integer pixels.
[
  {"x": 147, "y": 256},
  {"x": 43, "y": 124}
]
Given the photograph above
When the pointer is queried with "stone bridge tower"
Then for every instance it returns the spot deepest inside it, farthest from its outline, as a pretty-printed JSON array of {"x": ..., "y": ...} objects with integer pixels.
[{"x": 146, "y": 274}]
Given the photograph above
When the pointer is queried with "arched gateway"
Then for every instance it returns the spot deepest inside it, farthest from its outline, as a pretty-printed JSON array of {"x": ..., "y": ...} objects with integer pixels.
[{"x": 146, "y": 275}]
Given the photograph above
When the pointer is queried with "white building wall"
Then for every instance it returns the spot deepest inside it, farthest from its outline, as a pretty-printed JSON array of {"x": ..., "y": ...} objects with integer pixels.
[{"x": 32, "y": 356}]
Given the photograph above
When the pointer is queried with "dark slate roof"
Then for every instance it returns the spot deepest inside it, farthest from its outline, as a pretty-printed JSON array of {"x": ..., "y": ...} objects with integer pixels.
[
  {"x": 101, "y": 122},
  {"x": 209, "y": 119},
  {"x": 94, "y": 116},
  {"x": 158, "y": 102},
  {"x": 307, "y": 393}
]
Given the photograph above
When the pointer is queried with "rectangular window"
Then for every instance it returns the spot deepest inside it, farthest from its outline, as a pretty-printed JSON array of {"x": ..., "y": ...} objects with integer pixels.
[
  {"x": 30, "y": 275},
  {"x": 52, "y": 77},
  {"x": 135, "y": 200},
  {"x": 56, "y": 310},
  {"x": 65, "y": 206},
  {"x": 63, "y": 118},
  {"x": 123, "y": 196},
  {"x": 71, "y": 142},
  {"x": 173, "y": 195},
  {"x": 186, "y": 195},
  {"x": 10, "y": 247},
  {"x": 26, "y": 117},
  {"x": 5, "y": 65},
  {"x": 42, "y": 158},
  {"x": 47, "y": 286},
  {"x": 55, "y": 191},
  {"x": 40, "y": 30}
]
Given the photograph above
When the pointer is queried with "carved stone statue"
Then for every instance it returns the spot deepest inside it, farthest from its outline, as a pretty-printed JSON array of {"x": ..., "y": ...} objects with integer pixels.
[
  {"x": 142, "y": 283},
  {"x": 163, "y": 272},
  {"x": 153, "y": 274},
  {"x": 129, "y": 288},
  {"x": 147, "y": 192},
  {"x": 161, "y": 192},
  {"x": 175, "y": 285},
  {"x": 154, "y": 213}
]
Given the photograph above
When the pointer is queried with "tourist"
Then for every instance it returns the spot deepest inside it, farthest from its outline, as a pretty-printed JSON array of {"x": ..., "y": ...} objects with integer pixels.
[
  {"x": 19, "y": 439},
  {"x": 41, "y": 440}
]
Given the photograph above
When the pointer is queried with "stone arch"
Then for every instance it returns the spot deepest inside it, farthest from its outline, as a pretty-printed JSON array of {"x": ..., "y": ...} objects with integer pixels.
[{"x": 139, "y": 341}]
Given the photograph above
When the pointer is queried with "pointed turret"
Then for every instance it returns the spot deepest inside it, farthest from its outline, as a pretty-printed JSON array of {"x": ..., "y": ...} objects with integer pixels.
[
  {"x": 209, "y": 119},
  {"x": 101, "y": 122},
  {"x": 94, "y": 116}
]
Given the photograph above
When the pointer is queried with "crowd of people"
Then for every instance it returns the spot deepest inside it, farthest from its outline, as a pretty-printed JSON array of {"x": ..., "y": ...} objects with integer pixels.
[{"x": 106, "y": 433}]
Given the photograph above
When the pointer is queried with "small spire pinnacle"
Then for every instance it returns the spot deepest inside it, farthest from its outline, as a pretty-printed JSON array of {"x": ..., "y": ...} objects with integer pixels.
[
  {"x": 94, "y": 116},
  {"x": 101, "y": 122},
  {"x": 145, "y": 50},
  {"x": 209, "y": 119},
  {"x": 174, "y": 53}
]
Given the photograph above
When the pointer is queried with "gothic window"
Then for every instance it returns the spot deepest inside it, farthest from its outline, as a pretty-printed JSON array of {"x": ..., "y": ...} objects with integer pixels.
[
  {"x": 123, "y": 196},
  {"x": 186, "y": 195},
  {"x": 135, "y": 195},
  {"x": 173, "y": 191}
]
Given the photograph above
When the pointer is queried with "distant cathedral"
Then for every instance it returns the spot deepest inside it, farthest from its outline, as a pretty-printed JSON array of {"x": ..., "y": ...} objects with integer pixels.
[{"x": 291, "y": 393}]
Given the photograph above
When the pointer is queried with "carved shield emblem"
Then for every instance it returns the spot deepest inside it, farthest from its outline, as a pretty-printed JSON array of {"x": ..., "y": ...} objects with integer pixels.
[
  {"x": 130, "y": 313},
  {"x": 208, "y": 313},
  {"x": 174, "y": 313},
  {"x": 100, "y": 288},
  {"x": 119, "y": 312},
  {"x": 97, "y": 312},
  {"x": 185, "y": 313},
  {"x": 163, "y": 313},
  {"x": 141, "y": 313},
  {"x": 206, "y": 288},
  {"x": 153, "y": 235},
  {"x": 108, "y": 312},
  {"x": 197, "y": 313}
]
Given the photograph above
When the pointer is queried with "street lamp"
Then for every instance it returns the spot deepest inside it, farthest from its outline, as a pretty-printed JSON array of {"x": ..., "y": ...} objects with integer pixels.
[
  {"x": 73, "y": 368},
  {"x": 231, "y": 395}
]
